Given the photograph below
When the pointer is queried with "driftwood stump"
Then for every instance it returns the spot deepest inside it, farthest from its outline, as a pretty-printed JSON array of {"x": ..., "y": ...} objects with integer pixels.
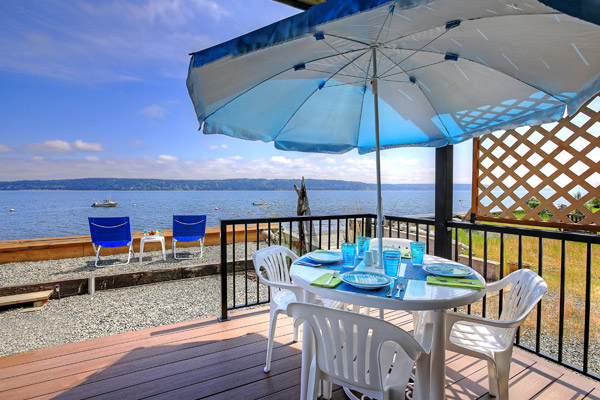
[{"x": 303, "y": 209}]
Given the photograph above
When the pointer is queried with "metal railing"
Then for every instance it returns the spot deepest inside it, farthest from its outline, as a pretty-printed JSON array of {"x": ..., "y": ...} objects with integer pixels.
[{"x": 562, "y": 328}]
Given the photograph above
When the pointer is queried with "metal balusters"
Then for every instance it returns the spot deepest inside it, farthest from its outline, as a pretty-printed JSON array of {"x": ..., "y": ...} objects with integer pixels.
[
  {"x": 561, "y": 316},
  {"x": 538, "y": 329},
  {"x": 246, "y": 262},
  {"x": 501, "y": 294},
  {"x": 223, "y": 234},
  {"x": 586, "y": 325},
  {"x": 485, "y": 260}
]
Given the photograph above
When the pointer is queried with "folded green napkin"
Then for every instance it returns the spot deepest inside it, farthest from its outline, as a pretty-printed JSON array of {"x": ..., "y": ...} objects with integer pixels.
[
  {"x": 320, "y": 281},
  {"x": 405, "y": 253},
  {"x": 455, "y": 282}
]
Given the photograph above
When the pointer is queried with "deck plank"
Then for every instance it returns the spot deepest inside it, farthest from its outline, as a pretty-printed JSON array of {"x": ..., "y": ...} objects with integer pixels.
[{"x": 207, "y": 359}]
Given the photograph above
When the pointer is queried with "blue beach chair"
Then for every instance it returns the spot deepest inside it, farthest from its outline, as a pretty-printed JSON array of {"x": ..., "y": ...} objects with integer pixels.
[
  {"x": 111, "y": 232},
  {"x": 188, "y": 228}
]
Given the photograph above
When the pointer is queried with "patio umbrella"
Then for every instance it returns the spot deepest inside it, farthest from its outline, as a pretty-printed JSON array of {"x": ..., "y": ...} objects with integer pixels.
[{"x": 377, "y": 74}]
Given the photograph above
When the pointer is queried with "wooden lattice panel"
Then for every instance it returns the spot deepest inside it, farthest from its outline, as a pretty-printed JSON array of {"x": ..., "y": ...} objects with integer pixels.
[{"x": 558, "y": 164}]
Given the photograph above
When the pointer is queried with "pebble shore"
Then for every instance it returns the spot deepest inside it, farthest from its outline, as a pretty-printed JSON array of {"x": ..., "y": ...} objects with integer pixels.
[{"x": 110, "y": 312}]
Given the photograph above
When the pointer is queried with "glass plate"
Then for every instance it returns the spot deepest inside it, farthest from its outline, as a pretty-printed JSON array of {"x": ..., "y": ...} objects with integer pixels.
[
  {"x": 366, "y": 280},
  {"x": 445, "y": 269},
  {"x": 325, "y": 256}
]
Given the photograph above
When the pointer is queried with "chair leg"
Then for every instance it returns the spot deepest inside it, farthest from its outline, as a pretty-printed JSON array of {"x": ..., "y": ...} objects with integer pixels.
[
  {"x": 201, "y": 247},
  {"x": 503, "y": 361},
  {"x": 97, "y": 255},
  {"x": 313, "y": 381},
  {"x": 295, "y": 334},
  {"x": 272, "y": 326}
]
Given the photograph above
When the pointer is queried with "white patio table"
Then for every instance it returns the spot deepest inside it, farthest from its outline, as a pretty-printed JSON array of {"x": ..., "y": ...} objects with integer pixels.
[{"x": 418, "y": 296}]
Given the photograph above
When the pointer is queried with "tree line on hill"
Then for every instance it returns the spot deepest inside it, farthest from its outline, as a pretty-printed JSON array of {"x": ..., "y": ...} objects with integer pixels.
[{"x": 224, "y": 184}]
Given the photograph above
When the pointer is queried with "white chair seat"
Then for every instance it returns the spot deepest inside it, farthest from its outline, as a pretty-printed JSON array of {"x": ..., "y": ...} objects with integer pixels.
[
  {"x": 360, "y": 352},
  {"x": 478, "y": 337},
  {"x": 492, "y": 339},
  {"x": 275, "y": 261}
]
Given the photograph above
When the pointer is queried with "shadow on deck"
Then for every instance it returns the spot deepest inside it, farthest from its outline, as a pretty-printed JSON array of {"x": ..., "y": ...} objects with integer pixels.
[{"x": 204, "y": 358}]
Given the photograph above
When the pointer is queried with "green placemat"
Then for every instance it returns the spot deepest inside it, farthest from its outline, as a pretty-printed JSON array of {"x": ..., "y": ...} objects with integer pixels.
[
  {"x": 320, "y": 281},
  {"x": 455, "y": 282}
]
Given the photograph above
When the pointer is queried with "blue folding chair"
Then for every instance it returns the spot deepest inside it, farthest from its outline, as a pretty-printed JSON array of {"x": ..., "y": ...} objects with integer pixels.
[
  {"x": 111, "y": 232},
  {"x": 188, "y": 228}
]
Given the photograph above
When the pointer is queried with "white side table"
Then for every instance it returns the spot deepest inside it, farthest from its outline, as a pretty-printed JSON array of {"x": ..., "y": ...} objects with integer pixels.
[{"x": 151, "y": 239}]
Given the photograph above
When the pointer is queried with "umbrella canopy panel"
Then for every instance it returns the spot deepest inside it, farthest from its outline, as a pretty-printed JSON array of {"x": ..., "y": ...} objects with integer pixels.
[{"x": 447, "y": 71}]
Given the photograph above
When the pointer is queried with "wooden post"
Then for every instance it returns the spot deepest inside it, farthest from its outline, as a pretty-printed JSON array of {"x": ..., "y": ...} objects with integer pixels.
[{"x": 444, "y": 170}]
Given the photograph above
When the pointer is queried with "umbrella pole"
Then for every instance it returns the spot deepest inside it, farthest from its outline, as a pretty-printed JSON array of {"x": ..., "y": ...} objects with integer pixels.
[{"x": 377, "y": 162}]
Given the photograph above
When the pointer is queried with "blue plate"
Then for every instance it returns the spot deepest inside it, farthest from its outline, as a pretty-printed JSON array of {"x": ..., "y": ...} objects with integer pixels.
[
  {"x": 447, "y": 269},
  {"x": 366, "y": 280},
  {"x": 325, "y": 256}
]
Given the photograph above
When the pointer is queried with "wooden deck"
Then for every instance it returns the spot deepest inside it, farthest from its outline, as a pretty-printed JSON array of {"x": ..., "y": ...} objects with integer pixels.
[{"x": 204, "y": 358}]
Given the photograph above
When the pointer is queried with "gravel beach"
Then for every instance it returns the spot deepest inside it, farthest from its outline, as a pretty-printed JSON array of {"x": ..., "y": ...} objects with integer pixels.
[{"x": 110, "y": 312}]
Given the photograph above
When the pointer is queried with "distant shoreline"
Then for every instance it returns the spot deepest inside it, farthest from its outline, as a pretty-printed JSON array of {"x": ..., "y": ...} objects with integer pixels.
[{"x": 259, "y": 185}]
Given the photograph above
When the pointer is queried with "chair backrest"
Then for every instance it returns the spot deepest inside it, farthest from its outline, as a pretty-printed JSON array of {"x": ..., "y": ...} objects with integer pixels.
[
  {"x": 395, "y": 242},
  {"x": 526, "y": 289},
  {"x": 189, "y": 226},
  {"x": 348, "y": 345},
  {"x": 109, "y": 229},
  {"x": 274, "y": 260}
]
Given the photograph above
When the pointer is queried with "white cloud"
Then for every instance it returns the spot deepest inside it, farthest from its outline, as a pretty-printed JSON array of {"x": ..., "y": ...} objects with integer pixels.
[
  {"x": 154, "y": 111},
  {"x": 48, "y": 146},
  {"x": 166, "y": 158},
  {"x": 58, "y": 146},
  {"x": 346, "y": 167},
  {"x": 87, "y": 146},
  {"x": 5, "y": 149},
  {"x": 216, "y": 147}
]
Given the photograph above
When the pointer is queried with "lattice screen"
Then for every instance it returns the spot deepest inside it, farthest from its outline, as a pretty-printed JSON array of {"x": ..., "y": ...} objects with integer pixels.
[{"x": 555, "y": 164}]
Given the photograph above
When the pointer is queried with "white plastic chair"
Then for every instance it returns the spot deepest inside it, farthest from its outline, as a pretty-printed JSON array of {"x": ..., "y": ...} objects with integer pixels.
[
  {"x": 362, "y": 353},
  {"x": 491, "y": 339},
  {"x": 274, "y": 261},
  {"x": 394, "y": 242}
]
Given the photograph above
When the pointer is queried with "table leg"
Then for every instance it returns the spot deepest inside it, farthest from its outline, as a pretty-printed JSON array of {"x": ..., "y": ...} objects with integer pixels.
[
  {"x": 141, "y": 249},
  {"x": 162, "y": 242},
  {"x": 307, "y": 350},
  {"x": 438, "y": 355}
]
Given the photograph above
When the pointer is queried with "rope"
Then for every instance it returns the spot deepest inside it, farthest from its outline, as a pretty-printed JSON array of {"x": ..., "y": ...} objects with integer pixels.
[
  {"x": 189, "y": 223},
  {"x": 102, "y": 226}
]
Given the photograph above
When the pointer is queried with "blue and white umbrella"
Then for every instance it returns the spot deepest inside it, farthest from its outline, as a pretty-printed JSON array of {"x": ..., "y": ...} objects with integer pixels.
[{"x": 377, "y": 74}]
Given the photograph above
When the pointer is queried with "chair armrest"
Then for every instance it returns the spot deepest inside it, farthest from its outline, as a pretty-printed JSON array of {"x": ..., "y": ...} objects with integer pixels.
[
  {"x": 496, "y": 286},
  {"x": 453, "y": 317},
  {"x": 297, "y": 290}
]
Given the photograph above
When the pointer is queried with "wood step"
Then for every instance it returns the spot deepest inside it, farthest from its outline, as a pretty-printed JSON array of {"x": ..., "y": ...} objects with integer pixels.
[{"x": 39, "y": 299}]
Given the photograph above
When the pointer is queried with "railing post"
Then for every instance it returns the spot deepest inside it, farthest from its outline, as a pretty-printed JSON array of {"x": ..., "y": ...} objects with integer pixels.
[
  {"x": 444, "y": 169},
  {"x": 224, "y": 316}
]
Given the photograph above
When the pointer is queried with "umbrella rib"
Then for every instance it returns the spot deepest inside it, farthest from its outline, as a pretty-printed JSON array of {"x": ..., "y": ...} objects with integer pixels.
[
  {"x": 309, "y": 96},
  {"x": 414, "y": 52},
  {"x": 362, "y": 104},
  {"x": 404, "y": 71},
  {"x": 336, "y": 50},
  {"x": 430, "y": 104},
  {"x": 277, "y": 74},
  {"x": 328, "y": 72}
]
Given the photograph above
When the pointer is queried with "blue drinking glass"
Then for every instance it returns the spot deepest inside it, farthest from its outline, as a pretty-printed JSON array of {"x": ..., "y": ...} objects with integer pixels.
[
  {"x": 348, "y": 254},
  {"x": 391, "y": 260},
  {"x": 363, "y": 245},
  {"x": 417, "y": 252}
]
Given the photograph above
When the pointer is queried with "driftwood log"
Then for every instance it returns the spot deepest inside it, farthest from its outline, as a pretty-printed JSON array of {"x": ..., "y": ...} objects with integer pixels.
[{"x": 303, "y": 209}]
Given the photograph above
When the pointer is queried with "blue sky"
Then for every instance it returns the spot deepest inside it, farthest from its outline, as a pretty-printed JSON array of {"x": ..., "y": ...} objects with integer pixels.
[{"x": 97, "y": 89}]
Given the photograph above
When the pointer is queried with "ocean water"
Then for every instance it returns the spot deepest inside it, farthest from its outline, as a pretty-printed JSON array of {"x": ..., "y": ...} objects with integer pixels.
[{"x": 39, "y": 214}]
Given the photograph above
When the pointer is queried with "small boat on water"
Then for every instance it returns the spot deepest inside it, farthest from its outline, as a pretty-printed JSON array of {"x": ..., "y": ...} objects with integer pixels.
[
  {"x": 105, "y": 203},
  {"x": 262, "y": 203}
]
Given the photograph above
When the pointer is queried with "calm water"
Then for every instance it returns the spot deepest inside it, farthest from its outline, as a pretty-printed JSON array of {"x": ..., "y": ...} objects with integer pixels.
[{"x": 41, "y": 214}]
